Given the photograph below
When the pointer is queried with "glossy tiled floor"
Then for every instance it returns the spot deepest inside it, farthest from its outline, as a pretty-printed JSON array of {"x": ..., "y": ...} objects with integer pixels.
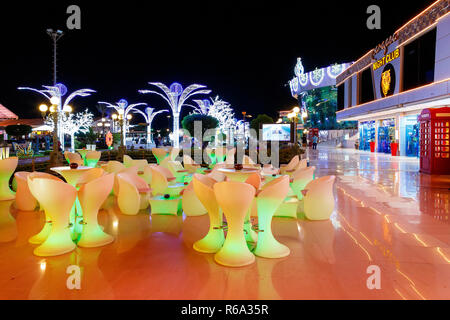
[{"x": 387, "y": 215}]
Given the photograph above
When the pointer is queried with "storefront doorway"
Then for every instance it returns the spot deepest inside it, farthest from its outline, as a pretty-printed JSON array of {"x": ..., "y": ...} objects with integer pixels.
[
  {"x": 386, "y": 135},
  {"x": 366, "y": 135},
  {"x": 412, "y": 140}
]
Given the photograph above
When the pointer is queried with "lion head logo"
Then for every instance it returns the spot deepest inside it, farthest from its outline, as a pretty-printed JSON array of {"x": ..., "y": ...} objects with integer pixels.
[{"x": 386, "y": 82}]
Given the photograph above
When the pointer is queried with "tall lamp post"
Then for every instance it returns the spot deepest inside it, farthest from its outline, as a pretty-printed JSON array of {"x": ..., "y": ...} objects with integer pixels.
[
  {"x": 293, "y": 116},
  {"x": 245, "y": 116},
  {"x": 55, "y": 35},
  {"x": 56, "y": 158}
]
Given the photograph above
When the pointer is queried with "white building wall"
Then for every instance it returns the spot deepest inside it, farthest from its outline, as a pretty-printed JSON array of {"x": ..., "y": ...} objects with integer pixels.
[{"x": 442, "y": 66}]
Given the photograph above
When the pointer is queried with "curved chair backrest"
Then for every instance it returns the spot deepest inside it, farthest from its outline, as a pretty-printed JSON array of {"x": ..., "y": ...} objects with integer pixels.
[
  {"x": 128, "y": 197},
  {"x": 175, "y": 166},
  {"x": 248, "y": 160},
  {"x": 188, "y": 160},
  {"x": 159, "y": 154},
  {"x": 9, "y": 164},
  {"x": 319, "y": 201},
  {"x": 98, "y": 188},
  {"x": 204, "y": 189},
  {"x": 166, "y": 172},
  {"x": 114, "y": 167},
  {"x": 43, "y": 175},
  {"x": 255, "y": 181},
  {"x": 24, "y": 199},
  {"x": 174, "y": 153},
  {"x": 159, "y": 181},
  {"x": 234, "y": 197},
  {"x": 127, "y": 161},
  {"x": 91, "y": 175},
  {"x": 147, "y": 175},
  {"x": 93, "y": 155},
  {"x": 303, "y": 164},
  {"x": 50, "y": 193},
  {"x": 216, "y": 174},
  {"x": 293, "y": 164},
  {"x": 273, "y": 194},
  {"x": 73, "y": 158}
]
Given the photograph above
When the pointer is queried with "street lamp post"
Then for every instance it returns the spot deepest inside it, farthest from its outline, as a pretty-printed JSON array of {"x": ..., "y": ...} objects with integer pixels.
[
  {"x": 55, "y": 35},
  {"x": 56, "y": 158},
  {"x": 293, "y": 116}
]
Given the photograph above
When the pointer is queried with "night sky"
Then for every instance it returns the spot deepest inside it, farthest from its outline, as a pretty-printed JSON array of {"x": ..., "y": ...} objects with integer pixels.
[{"x": 244, "y": 51}]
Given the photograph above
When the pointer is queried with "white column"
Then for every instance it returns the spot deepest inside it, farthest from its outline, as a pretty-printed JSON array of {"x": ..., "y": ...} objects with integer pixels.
[{"x": 176, "y": 130}]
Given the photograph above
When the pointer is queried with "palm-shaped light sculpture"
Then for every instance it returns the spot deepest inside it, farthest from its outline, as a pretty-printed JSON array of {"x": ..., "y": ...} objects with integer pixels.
[
  {"x": 123, "y": 109},
  {"x": 54, "y": 95},
  {"x": 149, "y": 115},
  {"x": 176, "y": 97}
]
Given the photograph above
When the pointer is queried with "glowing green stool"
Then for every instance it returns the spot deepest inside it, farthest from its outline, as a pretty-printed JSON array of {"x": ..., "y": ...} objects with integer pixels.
[
  {"x": 268, "y": 201},
  {"x": 213, "y": 241},
  {"x": 235, "y": 198}
]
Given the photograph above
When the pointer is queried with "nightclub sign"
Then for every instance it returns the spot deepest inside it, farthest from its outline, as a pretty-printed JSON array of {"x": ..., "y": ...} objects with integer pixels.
[{"x": 386, "y": 69}]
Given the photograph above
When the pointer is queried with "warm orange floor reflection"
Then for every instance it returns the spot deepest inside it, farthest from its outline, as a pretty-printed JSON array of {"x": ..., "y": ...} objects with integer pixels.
[{"x": 387, "y": 215}]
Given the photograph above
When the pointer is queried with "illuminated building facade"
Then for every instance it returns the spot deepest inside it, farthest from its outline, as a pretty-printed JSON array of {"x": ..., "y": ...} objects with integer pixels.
[{"x": 387, "y": 89}]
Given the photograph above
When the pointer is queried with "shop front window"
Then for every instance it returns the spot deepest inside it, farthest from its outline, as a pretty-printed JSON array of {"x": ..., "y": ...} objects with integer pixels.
[
  {"x": 412, "y": 140},
  {"x": 386, "y": 135},
  {"x": 366, "y": 135}
]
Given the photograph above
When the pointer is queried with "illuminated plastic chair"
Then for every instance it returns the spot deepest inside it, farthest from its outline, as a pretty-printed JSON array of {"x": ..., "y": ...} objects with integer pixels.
[
  {"x": 221, "y": 153},
  {"x": 57, "y": 198},
  {"x": 73, "y": 158},
  {"x": 319, "y": 200},
  {"x": 159, "y": 203},
  {"x": 129, "y": 162},
  {"x": 192, "y": 206},
  {"x": 268, "y": 201},
  {"x": 269, "y": 170},
  {"x": 235, "y": 199},
  {"x": 24, "y": 199},
  {"x": 230, "y": 156},
  {"x": 190, "y": 165},
  {"x": 133, "y": 193},
  {"x": 213, "y": 241},
  {"x": 7, "y": 168},
  {"x": 160, "y": 154},
  {"x": 212, "y": 156},
  {"x": 291, "y": 166},
  {"x": 171, "y": 180},
  {"x": 216, "y": 174},
  {"x": 113, "y": 167},
  {"x": 146, "y": 173},
  {"x": 92, "y": 158},
  {"x": 92, "y": 195},
  {"x": 89, "y": 176},
  {"x": 300, "y": 179},
  {"x": 171, "y": 157},
  {"x": 43, "y": 234},
  {"x": 182, "y": 175}
]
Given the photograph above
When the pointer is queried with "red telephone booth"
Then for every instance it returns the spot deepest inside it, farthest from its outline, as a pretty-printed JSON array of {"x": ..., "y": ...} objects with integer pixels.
[{"x": 435, "y": 141}]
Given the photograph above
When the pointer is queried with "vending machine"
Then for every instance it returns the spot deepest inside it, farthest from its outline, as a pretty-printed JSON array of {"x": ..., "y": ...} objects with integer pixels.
[{"x": 435, "y": 141}]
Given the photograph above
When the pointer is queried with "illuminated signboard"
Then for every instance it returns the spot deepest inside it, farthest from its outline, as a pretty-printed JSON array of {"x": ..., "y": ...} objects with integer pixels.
[
  {"x": 386, "y": 70},
  {"x": 387, "y": 59}
]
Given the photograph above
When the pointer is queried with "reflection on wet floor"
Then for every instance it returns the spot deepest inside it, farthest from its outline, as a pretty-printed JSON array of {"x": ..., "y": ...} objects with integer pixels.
[{"x": 387, "y": 215}]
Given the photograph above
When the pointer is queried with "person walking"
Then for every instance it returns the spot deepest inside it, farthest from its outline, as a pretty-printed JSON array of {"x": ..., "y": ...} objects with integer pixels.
[{"x": 315, "y": 142}]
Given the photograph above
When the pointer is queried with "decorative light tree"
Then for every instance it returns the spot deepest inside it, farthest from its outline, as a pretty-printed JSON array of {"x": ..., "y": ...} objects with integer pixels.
[
  {"x": 74, "y": 123},
  {"x": 54, "y": 95},
  {"x": 123, "y": 109},
  {"x": 219, "y": 109},
  {"x": 149, "y": 115},
  {"x": 176, "y": 97}
]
